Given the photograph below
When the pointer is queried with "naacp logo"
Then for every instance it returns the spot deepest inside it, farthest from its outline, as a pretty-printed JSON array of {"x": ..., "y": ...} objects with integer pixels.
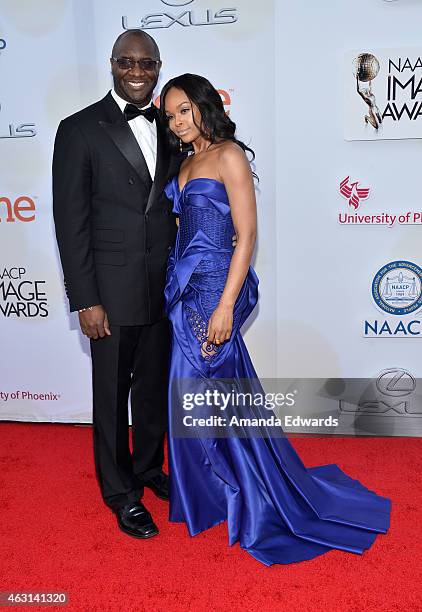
[{"x": 397, "y": 287}]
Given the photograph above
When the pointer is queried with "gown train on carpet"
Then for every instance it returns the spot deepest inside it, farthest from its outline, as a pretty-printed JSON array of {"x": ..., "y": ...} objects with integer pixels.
[{"x": 279, "y": 510}]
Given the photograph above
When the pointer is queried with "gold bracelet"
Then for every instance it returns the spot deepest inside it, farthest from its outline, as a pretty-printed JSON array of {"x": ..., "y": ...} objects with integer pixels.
[{"x": 84, "y": 309}]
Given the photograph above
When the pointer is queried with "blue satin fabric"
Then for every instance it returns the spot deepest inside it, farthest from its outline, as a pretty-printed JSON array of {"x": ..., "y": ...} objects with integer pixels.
[{"x": 279, "y": 510}]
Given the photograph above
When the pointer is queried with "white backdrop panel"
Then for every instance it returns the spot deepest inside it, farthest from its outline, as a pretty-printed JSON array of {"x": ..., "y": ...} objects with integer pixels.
[
  {"x": 60, "y": 50},
  {"x": 324, "y": 285}
]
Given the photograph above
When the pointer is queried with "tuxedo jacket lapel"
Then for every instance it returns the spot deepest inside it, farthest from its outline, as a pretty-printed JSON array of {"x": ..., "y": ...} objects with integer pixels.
[
  {"x": 161, "y": 167},
  {"x": 120, "y": 133}
]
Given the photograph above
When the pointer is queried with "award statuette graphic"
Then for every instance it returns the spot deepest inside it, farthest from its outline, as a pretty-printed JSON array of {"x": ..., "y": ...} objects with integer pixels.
[{"x": 366, "y": 68}]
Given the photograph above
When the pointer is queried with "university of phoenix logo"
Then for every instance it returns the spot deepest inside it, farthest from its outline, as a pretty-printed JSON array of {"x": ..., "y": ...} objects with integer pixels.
[{"x": 353, "y": 193}]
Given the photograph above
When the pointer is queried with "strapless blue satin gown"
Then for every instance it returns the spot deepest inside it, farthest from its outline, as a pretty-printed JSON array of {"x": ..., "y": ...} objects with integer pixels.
[{"x": 279, "y": 510}]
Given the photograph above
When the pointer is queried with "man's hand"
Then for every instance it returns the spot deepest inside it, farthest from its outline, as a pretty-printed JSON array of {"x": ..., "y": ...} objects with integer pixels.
[{"x": 94, "y": 323}]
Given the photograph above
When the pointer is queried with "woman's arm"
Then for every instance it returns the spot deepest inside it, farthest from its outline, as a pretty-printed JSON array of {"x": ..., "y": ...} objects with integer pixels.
[{"x": 236, "y": 174}]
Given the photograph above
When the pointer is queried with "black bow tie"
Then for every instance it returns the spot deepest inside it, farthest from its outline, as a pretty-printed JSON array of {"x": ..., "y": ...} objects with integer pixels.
[{"x": 131, "y": 111}]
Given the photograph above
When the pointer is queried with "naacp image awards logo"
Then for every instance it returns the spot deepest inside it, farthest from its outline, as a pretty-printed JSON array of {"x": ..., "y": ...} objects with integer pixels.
[
  {"x": 366, "y": 69},
  {"x": 21, "y": 295}
]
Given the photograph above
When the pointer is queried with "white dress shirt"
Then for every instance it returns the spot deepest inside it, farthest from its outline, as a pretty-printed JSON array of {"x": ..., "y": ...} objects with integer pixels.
[{"x": 145, "y": 133}]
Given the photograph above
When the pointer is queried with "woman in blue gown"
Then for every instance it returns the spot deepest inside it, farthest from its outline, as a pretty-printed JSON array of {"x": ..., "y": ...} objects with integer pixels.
[{"x": 279, "y": 510}]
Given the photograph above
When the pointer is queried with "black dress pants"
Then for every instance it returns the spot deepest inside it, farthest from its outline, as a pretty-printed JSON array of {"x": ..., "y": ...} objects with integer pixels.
[{"x": 133, "y": 359}]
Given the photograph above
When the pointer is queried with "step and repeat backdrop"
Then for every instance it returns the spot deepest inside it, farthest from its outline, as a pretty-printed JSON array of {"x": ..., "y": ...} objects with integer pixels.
[{"x": 329, "y": 95}]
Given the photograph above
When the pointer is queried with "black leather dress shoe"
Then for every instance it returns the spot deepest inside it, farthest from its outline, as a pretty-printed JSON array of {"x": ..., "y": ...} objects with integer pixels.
[
  {"x": 159, "y": 484},
  {"x": 136, "y": 521}
]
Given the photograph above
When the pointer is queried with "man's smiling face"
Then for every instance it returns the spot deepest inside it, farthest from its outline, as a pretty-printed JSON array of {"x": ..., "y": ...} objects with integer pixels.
[{"x": 135, "y": 85}]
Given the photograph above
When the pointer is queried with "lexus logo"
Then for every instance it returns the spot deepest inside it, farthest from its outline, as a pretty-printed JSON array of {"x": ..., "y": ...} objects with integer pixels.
[
  {"x": 396, "y": 382},
  {"x": 177, "y": 2}
]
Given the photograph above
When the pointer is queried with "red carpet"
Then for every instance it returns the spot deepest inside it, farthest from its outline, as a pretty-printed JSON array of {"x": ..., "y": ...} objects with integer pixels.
[{"x": 58, "y": 536}]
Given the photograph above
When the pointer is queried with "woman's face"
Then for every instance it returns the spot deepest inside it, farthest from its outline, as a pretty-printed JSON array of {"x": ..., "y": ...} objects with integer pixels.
[{"x": 182, "y": 115}]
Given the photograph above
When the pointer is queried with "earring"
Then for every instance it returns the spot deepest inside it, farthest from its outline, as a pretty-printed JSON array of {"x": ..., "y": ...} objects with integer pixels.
[{"x": 180, "y": 145}]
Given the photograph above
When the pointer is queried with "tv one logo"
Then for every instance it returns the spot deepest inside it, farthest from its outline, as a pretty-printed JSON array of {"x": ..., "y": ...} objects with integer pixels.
[
  {"x": 225, "y": 94},
  {"x": 20, "y": 209}
]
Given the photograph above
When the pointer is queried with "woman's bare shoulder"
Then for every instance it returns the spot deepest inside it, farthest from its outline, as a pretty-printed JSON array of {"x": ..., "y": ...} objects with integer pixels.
[
  {"x": 232, "y": 160},
  {"x": 230, "y": 149}
]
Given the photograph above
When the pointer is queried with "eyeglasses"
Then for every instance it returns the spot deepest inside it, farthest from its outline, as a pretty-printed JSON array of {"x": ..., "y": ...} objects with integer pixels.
[{"x": 128, "y": 63}]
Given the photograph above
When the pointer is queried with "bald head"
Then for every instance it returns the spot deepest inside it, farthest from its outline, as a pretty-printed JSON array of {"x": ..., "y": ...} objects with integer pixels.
[
  {"x": 134, "y": 81},
  {"x": 145, "y": 39}
]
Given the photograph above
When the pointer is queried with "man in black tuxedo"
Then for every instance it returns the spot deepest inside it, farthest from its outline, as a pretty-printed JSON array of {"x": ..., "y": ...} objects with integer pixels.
[{"x": 114, "y": 229}]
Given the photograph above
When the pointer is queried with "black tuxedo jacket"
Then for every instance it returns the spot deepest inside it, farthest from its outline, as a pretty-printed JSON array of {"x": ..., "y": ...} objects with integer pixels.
[{"x": 114, "y": 225}]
